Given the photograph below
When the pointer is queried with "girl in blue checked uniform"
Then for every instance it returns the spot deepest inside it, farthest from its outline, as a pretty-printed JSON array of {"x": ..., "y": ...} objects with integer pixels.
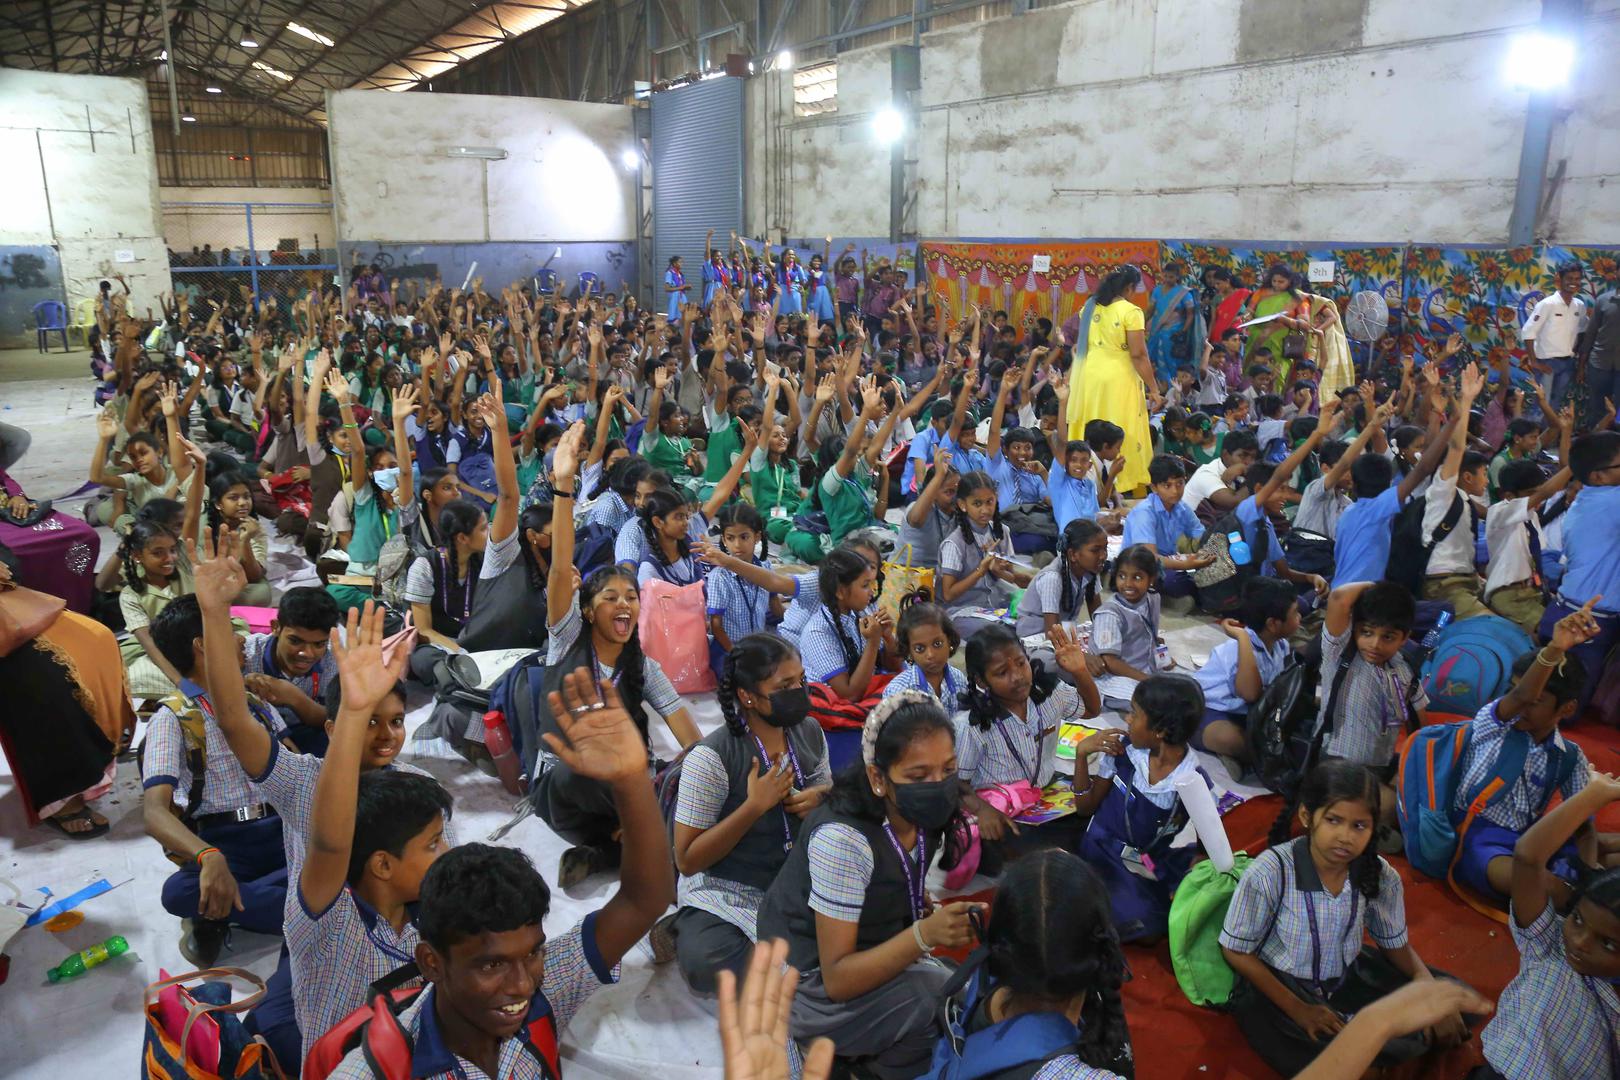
[
  {"x": 1125, "y": 629},
  {"x": 1135, "y": 805},
  {"x": 744, "y": 790},
  {"x": 848, "y": 644},
  {"x": 1560, "y": 1016},
  {"x": 852, "y": 900},
  {"x": 668, "y": 554},
  {"x": 928, "y": 639},
  {"x": 975, "y": 569},
  {"x": 737, "y": 607},
  {"x": 1294, "y": 930},
  {"x": 1065, "y": 588},
  {"x": 1015, "y": 708}
]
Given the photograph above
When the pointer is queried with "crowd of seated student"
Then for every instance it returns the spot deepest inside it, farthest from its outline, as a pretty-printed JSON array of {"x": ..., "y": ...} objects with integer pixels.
[{"x": 514, "y": 471}]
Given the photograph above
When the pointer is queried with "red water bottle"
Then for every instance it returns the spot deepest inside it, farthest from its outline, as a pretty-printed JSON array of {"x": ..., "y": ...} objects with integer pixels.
[{"x": 498, "y": 741}]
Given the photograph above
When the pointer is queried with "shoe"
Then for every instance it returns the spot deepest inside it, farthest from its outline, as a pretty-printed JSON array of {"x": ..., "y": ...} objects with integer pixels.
[
  {"x": 202, "y": 939},
  {"x": 662, "y": 939},
  {"x": 579, "y": 863}
]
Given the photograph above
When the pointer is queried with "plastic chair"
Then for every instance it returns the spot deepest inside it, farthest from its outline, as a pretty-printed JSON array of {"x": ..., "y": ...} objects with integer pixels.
[
  {"x": 84, "y": 317},
  {"x": 588, "y": 278},
  {"x": 547, "y": 279},
  {"x": 50, "y": 317}
]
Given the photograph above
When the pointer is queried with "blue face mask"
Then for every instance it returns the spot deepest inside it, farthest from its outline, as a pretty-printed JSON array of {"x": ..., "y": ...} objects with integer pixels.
[{"x": 386, "y": 479}]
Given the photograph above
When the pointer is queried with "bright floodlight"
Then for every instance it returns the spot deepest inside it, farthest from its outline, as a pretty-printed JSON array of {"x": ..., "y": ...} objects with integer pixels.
[
  {"x": 213, "y": 90},
  {"x": 888, "y": 125},
  {"x": 1539, "y": 61},
  {"x": 784, "y": 58},
  {"x": 630, "y": 158}
]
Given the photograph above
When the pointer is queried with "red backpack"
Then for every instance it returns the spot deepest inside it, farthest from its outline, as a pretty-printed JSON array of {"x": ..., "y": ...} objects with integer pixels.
[{"x": 389, "y": 1048}]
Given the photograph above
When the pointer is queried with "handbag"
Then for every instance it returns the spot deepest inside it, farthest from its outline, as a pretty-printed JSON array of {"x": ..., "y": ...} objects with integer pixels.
[
  {"x": 1011, "y": 799},
  {"x": 192, "y": 1030},
  {"x": 39, "y": 513},
  {"x": 904, "y": 585},
  {"x": 1294, "y": 345},
  {"x": 674, "y": 631},
  {"x": 24, "y": 615}
]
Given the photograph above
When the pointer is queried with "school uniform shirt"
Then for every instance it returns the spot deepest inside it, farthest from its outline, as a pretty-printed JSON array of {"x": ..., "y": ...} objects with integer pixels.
[
  {"x": 1070, "y": 1067},
  {"x": 1320, "y": 509},
  {"x": 1205, "y": 481},
  {"x": 1013, "y": 750},
  {"x": 683, "y": 571},
  {"x": 847, "y": 501},
  {"x": 1045, "y": 597},
  {"x": 1218, "y": 676},
  {"x": 372, "y": 527},
  {"x": 952, "y": 687},
  {"x": 164, "y": 759},
  {"x": 959, "y": 558},
  {"x": 925, "y": 539},
  {"x": 841, "y": 866},
  {"x": 803, "y": 606},
  {"x": 338, "y": 952},
  {"x": 1551, "y": 1022},
  {"x": 1129, "y": 631},
  {"x": 1509, "y": 526},
  {"x": 698, "y": 805},
  {"x": 656, "y": 690},
  {"x": 1455, "y": 553},
  {"x": 140, "y": 608},
  {"x": 1149, "y": 522},
  {"x": 820, "y": 648},
  {"x": 259, "y": 651},
  {"x": 1162, "y": 794},
  {"x": 1281, "y": 898},
  {"x": 1071, "y": 499},
  {"x": 742, "y": 606},
  {"x": 1361, "y": 546},
  {"x": 1255, "y": 522},
  {"x": 610, "y": 511},
  {"x": 922, "y": 449},
  {"x": 965, "y": 461},
  {"x": 1521, "y": 804},
  {"x": 1015, "y": 486},
  {"x": 1372, "y": 707},
  {"x": 1591, "y": 536}
]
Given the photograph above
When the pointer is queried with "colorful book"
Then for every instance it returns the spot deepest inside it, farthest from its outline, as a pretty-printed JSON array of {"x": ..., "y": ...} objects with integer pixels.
[
  {"x": 1070, "y": 736},
  {"x": 1057, "y": 800}
]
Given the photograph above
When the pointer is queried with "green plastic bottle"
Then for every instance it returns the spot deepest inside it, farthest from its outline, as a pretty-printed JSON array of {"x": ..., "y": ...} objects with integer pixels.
[{"x": 85, "y": 959}]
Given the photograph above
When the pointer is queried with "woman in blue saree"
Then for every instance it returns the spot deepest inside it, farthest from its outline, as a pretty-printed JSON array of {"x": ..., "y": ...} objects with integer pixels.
[{"x": 1173, "y": 335}]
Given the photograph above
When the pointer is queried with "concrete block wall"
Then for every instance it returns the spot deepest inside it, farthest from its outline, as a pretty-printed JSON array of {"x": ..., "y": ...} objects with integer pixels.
[
  {"x": 1336, "y": 120},
  {"x": 81, "y": 176}
]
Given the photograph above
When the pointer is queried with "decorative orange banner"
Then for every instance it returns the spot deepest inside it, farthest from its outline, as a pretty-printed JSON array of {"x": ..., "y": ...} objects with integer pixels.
[{"x": 1031, "y": 281}]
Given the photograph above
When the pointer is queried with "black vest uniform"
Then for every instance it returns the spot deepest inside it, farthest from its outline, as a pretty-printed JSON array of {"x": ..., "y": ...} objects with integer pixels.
[
  {"x": 761, "y": 851},
  {"x": 448, "y": 591},
  {"x": 786, "y": 912},
  {"x": 507, "y": 612}
]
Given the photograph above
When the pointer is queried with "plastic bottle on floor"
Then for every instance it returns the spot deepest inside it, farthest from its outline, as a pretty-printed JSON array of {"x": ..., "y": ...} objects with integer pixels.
[
  {"x": 498, "y": 741},
  {"x": 85, "y": 959}
]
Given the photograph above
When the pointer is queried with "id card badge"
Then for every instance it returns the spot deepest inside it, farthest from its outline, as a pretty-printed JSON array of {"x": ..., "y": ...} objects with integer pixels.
[
  {"x": 779, "y": 512},
  {"x": 1137, "y": 863}
]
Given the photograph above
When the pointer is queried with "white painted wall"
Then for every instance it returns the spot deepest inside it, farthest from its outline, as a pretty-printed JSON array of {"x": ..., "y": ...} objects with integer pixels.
[
  {"x": 188, "y": 220},
  {"x": 85, "y": 182},
  {"x": 561, "y": 180},
  {"x": 1164, "y": 119}
]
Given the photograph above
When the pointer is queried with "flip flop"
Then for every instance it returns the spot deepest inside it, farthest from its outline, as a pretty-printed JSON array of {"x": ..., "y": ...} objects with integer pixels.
[{"x": 95, "y": 830}]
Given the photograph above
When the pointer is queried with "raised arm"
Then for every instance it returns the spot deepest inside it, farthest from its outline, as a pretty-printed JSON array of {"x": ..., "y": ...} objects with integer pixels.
[
  {"x": 560, "y": 578},
  {"x": 727, "y": 484},
  {"x": 1473, "y": 381},
  {"x": 1375, "y": 423},
  {"x": 998, "y": 415},
  {"x": 918, "y": 512},
  {"x": 219, "y": 577},
  {"x": 1281, "y": 474},
  {"x": 339, "y": 389}
]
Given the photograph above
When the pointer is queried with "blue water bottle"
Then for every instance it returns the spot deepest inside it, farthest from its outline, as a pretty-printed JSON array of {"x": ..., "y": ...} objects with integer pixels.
[
  {"x": 1238, "y": 549},
  {"x": 1433, "y": 636}
]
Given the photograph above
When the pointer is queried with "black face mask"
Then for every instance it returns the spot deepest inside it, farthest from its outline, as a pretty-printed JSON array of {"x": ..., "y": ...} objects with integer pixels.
[
  {"x": 929, "y": 805},
  {"x": 788, "y": 707}
]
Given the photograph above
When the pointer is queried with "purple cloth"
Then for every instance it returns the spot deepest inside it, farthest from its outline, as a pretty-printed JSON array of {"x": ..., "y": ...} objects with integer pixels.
[
  {"x": 56, "y": 555},
  {"x": 849, "y": 288}
]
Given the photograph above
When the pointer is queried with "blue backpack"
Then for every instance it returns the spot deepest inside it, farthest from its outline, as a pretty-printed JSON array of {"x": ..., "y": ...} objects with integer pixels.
[
  {"x": 593, "y": 548},
  {"x": 515, "y": 696},
  {"x": 1426, "y": 791},
  {"x": 1472, "y": 663},
  {"x": 1014, "y": 1049}
]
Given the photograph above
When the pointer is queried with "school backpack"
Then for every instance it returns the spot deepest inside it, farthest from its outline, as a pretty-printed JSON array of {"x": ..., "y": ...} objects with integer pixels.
[
  {"x": 1426, "y": 790},
  {"x": 388, "y": 1047},
  {"x": 516, "y": 696},
  {"x": 1014, "y": 1049},
  {"x": 1220, "y": 584},
  {"x": 1282, "y": 729},
  {"x": 1472, "y": 663},
  {"x": 1197, "y": 914},
  {"x": 1410, "y": 549},
  {"x": 593, "y": 548}
]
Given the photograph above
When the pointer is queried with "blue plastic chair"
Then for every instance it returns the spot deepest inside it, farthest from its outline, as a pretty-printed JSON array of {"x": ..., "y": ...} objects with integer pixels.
[
  {"x": 588, "y": 278},
  {"x": 547, "y": 279},
  {"x": 50, "y": 317}
]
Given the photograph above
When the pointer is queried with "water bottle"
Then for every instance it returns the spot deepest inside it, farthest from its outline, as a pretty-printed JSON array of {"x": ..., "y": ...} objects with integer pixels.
[
  {"x": 85, "y": 959},
  {"x": 1433, "y": 636},
  {"x": 1238, "y": 549},
  {"x": 498, "y": 741}
]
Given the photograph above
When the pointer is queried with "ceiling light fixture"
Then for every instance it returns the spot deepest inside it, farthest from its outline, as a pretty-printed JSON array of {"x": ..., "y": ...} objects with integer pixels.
[
  {"x": 188, "y": 118},
  {"x": 260, "y": 65},
  {"x": 631, "y": 157},
  {"x": 249, "y": 39},
  {"x": 888, "y": 125},
  {"x": 784, "y": 58},
  {"x": 164, "y": 55},
  {"x": 213, "y": 90},
  {"x": 315, "y": 36}
]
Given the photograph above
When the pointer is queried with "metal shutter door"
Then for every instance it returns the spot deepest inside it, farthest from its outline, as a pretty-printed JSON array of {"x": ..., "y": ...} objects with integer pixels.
[{"x": 697, "y": 160}]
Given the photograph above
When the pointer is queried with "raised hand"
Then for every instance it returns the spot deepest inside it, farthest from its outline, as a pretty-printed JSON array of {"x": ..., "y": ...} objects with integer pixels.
[
  {"x": 217, "y": 569},
  {"x": 1070, "y": 656},
  {"x": 565, "y": 462},
  {"x": 597, "y": 738},
  {"x": 106, "y": 424},
  {"x": 754, "y": 1037},
  {"x": 337, "y": 387},
  {"x": 405, "y": 401},
  {"x": 1473, "y": 382},
  {"x": 366, "y": 675},
  {"x": 1577, "y": 628}
]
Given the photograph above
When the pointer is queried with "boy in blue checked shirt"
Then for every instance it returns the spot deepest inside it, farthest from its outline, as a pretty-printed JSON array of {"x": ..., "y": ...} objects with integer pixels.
[
  {"x": 1545, "y": 690},
  {"x": 1238, "y": 671},
  {"x": 289, "y": 666},
  {"x": 232, "y": 868},
  {"x": 499, "y": 992},
  {"x": 1162, "y": 520}
]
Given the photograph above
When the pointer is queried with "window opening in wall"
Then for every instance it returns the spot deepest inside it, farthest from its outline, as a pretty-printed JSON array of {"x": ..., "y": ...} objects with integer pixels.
[{"x": 815, "y": 89}]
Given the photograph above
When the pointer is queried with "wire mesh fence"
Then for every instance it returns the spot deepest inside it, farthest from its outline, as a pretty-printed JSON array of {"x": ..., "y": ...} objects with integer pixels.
[{"x": 229, "y": 252}]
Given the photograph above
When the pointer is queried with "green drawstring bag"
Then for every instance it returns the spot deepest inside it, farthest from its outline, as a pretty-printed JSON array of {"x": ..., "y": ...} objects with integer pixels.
[{"x": 1197, "y": 913}]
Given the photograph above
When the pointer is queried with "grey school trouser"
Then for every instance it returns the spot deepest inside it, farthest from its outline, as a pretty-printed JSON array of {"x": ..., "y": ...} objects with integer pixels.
[{"x": 892, "y": 1029}]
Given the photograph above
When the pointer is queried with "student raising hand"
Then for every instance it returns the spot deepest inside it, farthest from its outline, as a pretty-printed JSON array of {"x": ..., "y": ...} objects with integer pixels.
[
  {"x": 754, "y": 1032},
  {"x": 598, "y": 738}
]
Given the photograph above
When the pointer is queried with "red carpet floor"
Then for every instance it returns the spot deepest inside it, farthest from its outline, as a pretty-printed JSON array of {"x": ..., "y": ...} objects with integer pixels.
[{"x": 1176, "y": 1040}]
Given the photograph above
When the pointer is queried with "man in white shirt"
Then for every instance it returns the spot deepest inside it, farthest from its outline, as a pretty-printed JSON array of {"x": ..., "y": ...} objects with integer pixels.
[{"x": 1554, "y": 324}]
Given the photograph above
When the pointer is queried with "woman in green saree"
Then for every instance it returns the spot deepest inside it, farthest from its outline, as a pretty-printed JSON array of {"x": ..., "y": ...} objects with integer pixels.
[{"x": 1278, "y": 296}]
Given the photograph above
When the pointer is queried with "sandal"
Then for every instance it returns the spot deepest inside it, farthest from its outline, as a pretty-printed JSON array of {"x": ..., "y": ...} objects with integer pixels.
[{"x": 57, "y": 822}]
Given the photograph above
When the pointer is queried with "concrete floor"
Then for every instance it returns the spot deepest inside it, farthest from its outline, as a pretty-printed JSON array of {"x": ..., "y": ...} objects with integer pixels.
[{"x": 92, "y": 1026}]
